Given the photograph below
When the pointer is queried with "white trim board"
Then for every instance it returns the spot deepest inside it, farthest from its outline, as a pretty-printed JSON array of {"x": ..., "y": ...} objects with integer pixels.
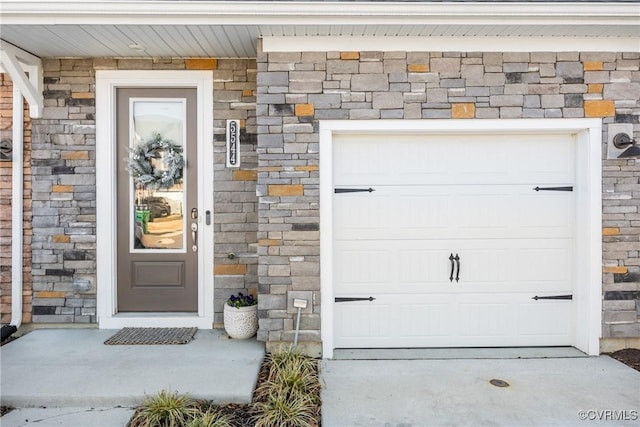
[
  {"x": 587, "y": 132},
  {"x": 107, "y": 81},
  {"x": 449, "y": 44},
  {"x": 183, "y": 12}
]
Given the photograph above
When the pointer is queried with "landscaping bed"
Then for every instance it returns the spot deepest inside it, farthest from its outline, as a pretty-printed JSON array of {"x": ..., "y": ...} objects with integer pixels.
[
  {"x": 287, "y": 395},
  {"x": 628, "y": 356}
]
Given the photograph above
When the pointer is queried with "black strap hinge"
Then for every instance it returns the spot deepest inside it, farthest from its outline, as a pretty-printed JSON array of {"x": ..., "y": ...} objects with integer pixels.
[
  {"x": 340, "y": 299},
  {"x": 553, "y": 297},
  {"x": 568, "y": 188},
  {"x": 353, "y": 190}
]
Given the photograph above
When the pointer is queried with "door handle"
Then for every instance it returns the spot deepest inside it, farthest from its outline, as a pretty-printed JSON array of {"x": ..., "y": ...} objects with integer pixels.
[
  {"x": 457, "y": 259},
  {"x": 451, "y": 258},
  {"x": 194, "y": 236}
]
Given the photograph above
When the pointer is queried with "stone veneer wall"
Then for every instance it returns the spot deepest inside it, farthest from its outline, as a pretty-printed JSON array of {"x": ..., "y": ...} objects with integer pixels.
[
  {"x": 64, "y": 190},
  {"x": 6, "y": 167},
  {"x": 296, "y": 90}
]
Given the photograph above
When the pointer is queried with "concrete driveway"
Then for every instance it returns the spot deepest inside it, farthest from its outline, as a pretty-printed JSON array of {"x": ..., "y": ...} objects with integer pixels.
[{"x": 583, "y": 391}]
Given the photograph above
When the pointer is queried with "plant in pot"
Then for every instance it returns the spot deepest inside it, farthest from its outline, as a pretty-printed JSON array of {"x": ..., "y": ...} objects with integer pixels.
[{"x": 241, "y": 316}]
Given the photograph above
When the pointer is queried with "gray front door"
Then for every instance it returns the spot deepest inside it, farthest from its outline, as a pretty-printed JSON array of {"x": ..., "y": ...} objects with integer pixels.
[{"x": 157, "y": 200}]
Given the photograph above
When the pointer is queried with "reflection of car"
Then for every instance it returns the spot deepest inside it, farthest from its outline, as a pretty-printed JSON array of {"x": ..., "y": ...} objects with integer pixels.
[{"x": 159, "y": 207}]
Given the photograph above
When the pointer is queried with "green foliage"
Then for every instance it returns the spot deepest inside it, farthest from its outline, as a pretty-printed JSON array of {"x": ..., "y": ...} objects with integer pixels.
[
  {"x": 165, "y": 409},
  {"x": 241, "y": 300},
  {"x": 283, "y": 410},
  {"x": 141, "y": 167},
  {"x": 211, "y": 418},
  {"x": 289, "y": 396}
]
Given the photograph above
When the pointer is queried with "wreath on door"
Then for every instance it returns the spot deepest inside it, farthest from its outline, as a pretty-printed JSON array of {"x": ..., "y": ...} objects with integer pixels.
[{"x": 155, "y": 164}]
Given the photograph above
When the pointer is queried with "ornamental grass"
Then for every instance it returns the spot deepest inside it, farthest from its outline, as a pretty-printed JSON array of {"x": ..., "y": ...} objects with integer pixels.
[{"x": 287, "y": 395}]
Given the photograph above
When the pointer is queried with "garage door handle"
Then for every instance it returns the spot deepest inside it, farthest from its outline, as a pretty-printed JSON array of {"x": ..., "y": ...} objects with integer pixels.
[
  {"x": 457, "y": 258},
  {"x": 451, "y": 258}
]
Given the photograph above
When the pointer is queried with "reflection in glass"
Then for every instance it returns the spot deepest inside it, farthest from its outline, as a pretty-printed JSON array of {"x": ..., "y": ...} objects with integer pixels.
[{"x": 158, "y": 213}]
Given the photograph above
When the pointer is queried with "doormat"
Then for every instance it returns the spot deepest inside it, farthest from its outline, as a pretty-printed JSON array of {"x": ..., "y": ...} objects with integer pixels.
[{"x": 152, "y": 336}]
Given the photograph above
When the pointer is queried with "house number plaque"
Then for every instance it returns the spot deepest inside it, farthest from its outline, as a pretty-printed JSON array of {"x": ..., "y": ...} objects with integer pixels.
[{"x": 233, "y": 143}]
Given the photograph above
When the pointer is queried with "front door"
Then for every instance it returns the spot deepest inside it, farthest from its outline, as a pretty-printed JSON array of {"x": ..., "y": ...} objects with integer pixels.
[{"x": 157, "y": 235}]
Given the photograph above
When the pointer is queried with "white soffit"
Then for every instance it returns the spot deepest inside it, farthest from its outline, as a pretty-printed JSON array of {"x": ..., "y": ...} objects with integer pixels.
[{"x": 193, "y": 28}]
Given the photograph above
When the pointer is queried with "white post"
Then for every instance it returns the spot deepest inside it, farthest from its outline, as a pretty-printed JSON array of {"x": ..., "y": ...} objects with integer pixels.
[{"x": 17, "y": 186}]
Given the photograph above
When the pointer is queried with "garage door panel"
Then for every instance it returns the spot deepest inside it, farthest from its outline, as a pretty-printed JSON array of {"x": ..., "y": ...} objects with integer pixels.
[
  {"x": 360, "y": 215},
  {"x": 453, "y": 159},
  {"x": 421, "y": 266},
  {"x": 550, "y": 212},
  {"x": 440, "y": 320},
  {"x": 398, "y": 266},
  {"x": 419, "y": 320},
  {"x": 545, "y": 318},
  {"x": 363, "y": 321},
  {"x": 368, "y": 267},
  {"x": 485, "y": 319},
  {"x": 453, "y": 212}
]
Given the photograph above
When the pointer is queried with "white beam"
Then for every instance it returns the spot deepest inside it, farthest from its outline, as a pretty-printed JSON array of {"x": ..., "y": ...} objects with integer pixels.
[{"x": 25, "y": 71}]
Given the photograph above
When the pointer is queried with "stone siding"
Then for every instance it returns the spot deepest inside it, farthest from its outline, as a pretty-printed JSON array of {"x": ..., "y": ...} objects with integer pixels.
[
  {"x": 64, "y": 195},
  {"x": 6, "y": 168},
  {"x": 297, "y": 90}
]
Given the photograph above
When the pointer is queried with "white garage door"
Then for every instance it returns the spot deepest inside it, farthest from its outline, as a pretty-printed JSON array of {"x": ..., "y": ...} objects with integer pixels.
[{"x": 454, "y": 243}]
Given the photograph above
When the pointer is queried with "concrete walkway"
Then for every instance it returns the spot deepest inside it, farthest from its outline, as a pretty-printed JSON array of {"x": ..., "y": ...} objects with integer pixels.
[
  {"x": 541, "y": 392},
  {"x": 81, "y": 382},
  {"x": 73, "y": 368}
]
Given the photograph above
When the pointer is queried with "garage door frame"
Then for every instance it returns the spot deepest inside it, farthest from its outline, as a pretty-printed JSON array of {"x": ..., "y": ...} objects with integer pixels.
[{"x": 588, "y": 192}]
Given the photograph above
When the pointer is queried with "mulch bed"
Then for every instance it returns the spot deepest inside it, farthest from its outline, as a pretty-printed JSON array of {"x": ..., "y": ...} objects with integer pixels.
[
  {"x": 241, "y": 414},
  {"x": 628, "y": 356}
]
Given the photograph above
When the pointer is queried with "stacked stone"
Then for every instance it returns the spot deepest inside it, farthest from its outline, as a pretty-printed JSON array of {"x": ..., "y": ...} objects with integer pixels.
[
  {"x": 6, "y": 168},
  {"x": 296, "y": 90},
  {"x": 288, "y": 191},
  {"x": 235, "y": 204},
  {"x": 64, "y": 183},
  {"x": 64, "y": 194}
]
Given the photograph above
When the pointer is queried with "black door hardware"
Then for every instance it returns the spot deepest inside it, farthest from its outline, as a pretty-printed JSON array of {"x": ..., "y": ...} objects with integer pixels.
[
  {"x": 453, "y": 267},
  {"x": 553, "y": 297},
  {"x": 339, "y": 299},
  {"x": 451, "y": 258},
  {"x": 353, "y": 190},
  {"x": 553, "y": 188}
]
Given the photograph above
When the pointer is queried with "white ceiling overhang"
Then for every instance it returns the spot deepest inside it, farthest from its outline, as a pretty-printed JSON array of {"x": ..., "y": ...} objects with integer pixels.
[{"x": 193, "y": 28}]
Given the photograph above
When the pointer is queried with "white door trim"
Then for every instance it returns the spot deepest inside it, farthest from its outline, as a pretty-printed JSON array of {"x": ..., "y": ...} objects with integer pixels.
[
  {"x": 107, "y": 81},
  {"x": 588, "y": 134}
]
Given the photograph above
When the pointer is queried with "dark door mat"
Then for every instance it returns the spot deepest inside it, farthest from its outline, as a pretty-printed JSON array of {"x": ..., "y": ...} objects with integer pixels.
[{"x": 152, "y": 336}]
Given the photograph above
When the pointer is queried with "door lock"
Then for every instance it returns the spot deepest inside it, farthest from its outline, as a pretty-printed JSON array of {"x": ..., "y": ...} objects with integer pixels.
[{"x": 194, "y": 213}]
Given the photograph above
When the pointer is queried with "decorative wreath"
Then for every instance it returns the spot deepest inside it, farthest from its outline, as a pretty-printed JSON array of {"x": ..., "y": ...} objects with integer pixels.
[{"x": 141, "y": 167}]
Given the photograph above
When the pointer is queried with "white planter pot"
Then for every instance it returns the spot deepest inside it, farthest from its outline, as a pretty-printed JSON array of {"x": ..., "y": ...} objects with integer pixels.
[{"x": 241, "y": 323}]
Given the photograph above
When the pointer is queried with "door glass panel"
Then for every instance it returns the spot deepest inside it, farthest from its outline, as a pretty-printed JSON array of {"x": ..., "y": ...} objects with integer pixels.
[{"x": 157, "y": 157}]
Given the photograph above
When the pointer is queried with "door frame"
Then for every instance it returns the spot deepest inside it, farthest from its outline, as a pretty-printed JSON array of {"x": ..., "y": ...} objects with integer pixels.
[
  {"x": 107, "y": 81},
  {"x": 588, "y": 231}
]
